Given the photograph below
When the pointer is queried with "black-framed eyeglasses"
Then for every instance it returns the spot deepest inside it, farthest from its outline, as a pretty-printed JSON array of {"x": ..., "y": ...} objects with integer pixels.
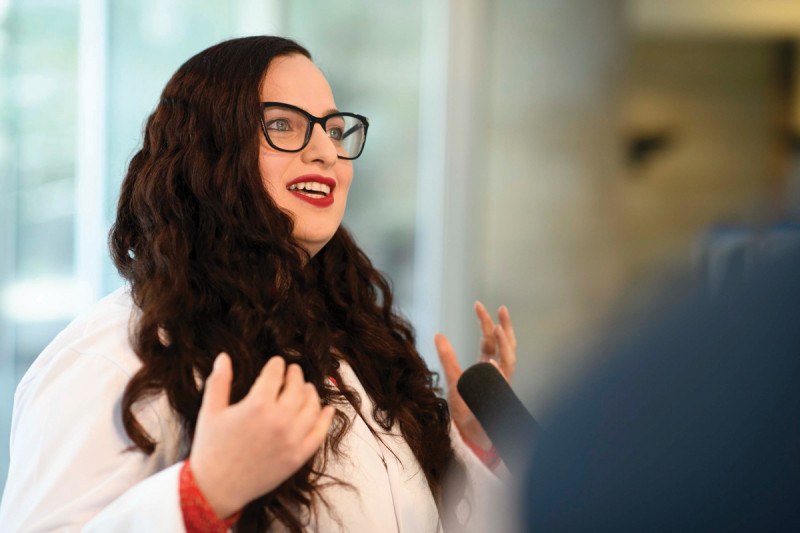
[{"x": 288, "y": 128}]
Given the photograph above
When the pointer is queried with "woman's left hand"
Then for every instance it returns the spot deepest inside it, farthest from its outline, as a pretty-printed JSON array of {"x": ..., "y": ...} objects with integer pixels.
[{"x": 498, "y": 346}]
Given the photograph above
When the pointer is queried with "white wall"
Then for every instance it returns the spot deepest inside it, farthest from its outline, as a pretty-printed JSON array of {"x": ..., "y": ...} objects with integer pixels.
[{"x": 544, "y": 244}]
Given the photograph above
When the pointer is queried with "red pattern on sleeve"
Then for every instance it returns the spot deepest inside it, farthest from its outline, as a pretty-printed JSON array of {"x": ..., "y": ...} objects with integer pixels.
[
  {"x": 198, "y": 516},
  {"x": 489, "y": 457}
]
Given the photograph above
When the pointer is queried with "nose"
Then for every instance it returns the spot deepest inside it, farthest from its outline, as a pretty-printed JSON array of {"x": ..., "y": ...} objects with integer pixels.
[{"x": 320, "y": 148}]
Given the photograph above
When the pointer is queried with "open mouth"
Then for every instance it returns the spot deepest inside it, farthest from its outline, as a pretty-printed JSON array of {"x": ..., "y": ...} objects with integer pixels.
[{"x": 312, "y": 189}]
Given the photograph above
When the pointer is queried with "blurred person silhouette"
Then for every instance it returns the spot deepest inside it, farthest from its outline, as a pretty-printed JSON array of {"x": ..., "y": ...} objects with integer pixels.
[{"x": 692, "y": 424}]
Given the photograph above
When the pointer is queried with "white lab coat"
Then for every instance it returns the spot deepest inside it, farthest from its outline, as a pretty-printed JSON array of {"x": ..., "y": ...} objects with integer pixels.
[{"x": 70, "y": 470}]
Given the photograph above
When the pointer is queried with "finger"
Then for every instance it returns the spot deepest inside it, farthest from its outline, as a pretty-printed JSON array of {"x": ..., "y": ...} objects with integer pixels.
[
  {"x": 269, "y": 380},
  {"x": 314, "y": 439},
  {"x": 309, "y": 411},
  {"x": 292, "y": 396},
  {"x": 508, "y": 358},
  {"x": 505, "y": 321},
  {"x": 485, "y": 319},
  {"x": 217, "y": 391},
  {"x": 447, "y": 355},
  {"x": 487, "y": 339}
]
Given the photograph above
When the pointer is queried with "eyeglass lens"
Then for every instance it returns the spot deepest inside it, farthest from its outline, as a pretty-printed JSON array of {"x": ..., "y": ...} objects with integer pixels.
[{"x": 287, "y": 130}]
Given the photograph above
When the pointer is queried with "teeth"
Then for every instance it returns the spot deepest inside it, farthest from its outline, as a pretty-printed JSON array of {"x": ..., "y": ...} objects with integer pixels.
[{"x": 314, "y": 186}]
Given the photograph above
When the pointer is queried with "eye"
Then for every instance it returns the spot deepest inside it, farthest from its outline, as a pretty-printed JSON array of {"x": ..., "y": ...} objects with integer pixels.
[
  {"x": 279, "y": 124},
  {"x": 336, "y": 133}
]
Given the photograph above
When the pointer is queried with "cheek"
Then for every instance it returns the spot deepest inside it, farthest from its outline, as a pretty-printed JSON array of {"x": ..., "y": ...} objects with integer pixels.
[
  {"x": 345, "y": 178},
  {"x": 272, "y": 167}
]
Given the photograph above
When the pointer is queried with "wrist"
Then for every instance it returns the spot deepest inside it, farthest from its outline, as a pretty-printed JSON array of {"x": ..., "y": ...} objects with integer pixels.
[
  {"x": 477, "y": 437},
  {"x": 487, "y": 455},
  {"x": 481, "y": 441},
  {"x": 221, "y": 500}
]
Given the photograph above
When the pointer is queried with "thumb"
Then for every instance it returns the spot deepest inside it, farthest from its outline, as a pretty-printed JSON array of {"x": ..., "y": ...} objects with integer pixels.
[
  {"x": 497, "y": 366},
  {"x": 447, "y": 355},
  {"x": 217, "y": 392}
]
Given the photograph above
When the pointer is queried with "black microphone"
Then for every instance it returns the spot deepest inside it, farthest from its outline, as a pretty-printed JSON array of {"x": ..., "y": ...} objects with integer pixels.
[{"x": 505, "y": 420}]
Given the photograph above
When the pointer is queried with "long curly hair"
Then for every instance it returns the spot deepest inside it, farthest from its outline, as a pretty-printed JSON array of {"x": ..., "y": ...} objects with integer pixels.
[{"x": 213, "y": 267}]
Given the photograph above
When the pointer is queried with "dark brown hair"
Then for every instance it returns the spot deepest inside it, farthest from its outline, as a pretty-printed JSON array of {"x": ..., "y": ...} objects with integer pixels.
[{"x": 213, "y": 267}]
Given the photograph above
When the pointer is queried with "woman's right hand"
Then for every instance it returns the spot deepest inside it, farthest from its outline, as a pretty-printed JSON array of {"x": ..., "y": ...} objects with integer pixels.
[{"x": 245, "y": 450}]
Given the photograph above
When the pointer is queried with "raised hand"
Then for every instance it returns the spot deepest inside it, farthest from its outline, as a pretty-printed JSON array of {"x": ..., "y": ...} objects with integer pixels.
[
  {"x": 245, "y": 450},
  {"x": 498, "y": 345}
]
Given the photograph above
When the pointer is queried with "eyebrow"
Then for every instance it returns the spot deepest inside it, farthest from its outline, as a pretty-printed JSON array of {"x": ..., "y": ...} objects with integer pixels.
[{"x": 330, "y": 111}]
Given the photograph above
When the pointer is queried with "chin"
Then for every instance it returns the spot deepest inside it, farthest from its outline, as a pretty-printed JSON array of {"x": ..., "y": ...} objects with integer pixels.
[
  {"x": 312, "y": 246},
  {"x": 314, "y": 234}
]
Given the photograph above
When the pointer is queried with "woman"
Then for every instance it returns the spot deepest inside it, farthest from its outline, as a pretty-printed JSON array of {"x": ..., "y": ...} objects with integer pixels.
[{"x": 228, "y": 233}]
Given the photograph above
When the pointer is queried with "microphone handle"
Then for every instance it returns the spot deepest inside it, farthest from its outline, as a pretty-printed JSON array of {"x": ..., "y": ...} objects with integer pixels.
[{"x": 510, "y": 426}]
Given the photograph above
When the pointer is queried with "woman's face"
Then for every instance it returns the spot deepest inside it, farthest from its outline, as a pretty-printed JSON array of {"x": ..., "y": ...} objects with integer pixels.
[{"x": 297, "y": 81}]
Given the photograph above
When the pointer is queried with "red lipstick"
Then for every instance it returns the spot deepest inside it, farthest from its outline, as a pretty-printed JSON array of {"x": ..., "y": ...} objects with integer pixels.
[{"x": 317, "y": 201}]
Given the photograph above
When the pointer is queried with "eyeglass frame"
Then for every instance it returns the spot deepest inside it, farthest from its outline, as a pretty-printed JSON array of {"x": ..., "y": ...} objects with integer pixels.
[{"x": 312, "y": 121}]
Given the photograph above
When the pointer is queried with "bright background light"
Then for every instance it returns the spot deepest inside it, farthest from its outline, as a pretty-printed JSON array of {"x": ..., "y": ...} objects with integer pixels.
[{"x": 45, "y": 300}]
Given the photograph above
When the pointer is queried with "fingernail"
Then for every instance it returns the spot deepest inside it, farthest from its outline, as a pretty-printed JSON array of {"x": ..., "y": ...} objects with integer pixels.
[{"x": 217, "y": 362}]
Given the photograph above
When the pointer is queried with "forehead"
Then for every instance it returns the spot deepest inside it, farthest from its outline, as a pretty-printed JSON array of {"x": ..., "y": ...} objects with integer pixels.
[{"x": 297, "y": 81}]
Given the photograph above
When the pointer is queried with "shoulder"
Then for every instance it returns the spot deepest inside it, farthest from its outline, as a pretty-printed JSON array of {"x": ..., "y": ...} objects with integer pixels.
[
  {"x": 102, "y": 331},
  {"x": 70, "y": 454},
  {"x": 86, "y": 369}
]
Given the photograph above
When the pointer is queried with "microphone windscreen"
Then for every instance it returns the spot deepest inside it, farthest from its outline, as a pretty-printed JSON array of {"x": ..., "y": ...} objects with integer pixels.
[{"x": 500, "y": 412}]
